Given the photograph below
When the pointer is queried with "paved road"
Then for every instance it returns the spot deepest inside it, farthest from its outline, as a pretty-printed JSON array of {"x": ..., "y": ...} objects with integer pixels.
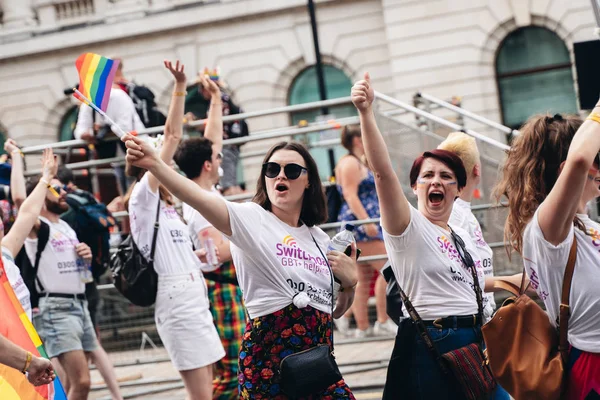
[{"x": 363, "y": 364}]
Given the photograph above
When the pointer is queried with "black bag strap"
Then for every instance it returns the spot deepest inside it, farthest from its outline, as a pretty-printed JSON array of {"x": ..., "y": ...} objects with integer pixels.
[
  {"x": 466, "y": 258},
  {"x": 155, "y": 234},
  {"x": 331, "y": 278},
  {"x": 43, "y": 237}
]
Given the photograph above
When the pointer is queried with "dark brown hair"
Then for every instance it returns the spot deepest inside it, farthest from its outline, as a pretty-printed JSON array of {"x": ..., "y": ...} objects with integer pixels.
[
  {"x": 450, "y": 159},
  {"x": 138, "y": 173},
  {"x": 349, "y": 132},
  {"x": 314, "y": 209},
  {"x": 531, "y": 170}
]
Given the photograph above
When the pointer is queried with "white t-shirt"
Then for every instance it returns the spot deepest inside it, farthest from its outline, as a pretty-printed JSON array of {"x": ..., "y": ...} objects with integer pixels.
[
  {"x": 274, "y": 261},
  {"x": 430, "y": 271},
  {"x": 546, "y": 264},
  {"x": 13, "y": 275},
  {"x": 462, "y": 217},
  {"x": 174, "y": 253},
  {"x": 58, "y": 271},
  {"x": 196, "y": 223}
]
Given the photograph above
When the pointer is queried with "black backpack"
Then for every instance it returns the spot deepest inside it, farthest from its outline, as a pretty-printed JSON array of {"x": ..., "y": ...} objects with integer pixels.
[
  {"x": 91, "y": 221},
  {"x": 134, "y": 276},
  {"x": 29, "y": 271},
  {"x": 145, "y": 105},
  {"x": 334, "y": 202}
]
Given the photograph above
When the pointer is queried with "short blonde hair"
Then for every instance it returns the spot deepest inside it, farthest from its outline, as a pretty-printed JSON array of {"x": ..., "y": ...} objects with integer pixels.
[{"x": 465, "y": 147}]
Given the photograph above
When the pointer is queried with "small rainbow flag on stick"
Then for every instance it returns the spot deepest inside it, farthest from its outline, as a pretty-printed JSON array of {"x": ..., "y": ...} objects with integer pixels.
[
  {"x": 16, "y": 327},
  {"x": 96, "y": 76}
]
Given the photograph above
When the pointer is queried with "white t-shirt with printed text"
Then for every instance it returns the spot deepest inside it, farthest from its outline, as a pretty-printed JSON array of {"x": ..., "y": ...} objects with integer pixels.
[
  {"x": 430, "y": 271},
  {"x": 546, "y": 264},
  {"x": 274, "y": 261},
  {"x": 463, "y": 217},
  {"x": 174, "y": 253},
  {"x": 13, "y": 274},
  {"x": 59, "y": 270}
]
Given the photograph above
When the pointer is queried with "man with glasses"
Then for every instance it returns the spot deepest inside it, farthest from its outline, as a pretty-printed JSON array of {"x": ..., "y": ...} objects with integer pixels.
[
  {"x": 62, "y": 321},
  {"x": 200, "y": 159}
]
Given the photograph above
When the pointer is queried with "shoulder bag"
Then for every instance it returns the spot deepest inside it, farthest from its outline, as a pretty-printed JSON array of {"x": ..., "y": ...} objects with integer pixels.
[
  {"x": 526, "y": 353},
  {"x": 134, "y": 276}
]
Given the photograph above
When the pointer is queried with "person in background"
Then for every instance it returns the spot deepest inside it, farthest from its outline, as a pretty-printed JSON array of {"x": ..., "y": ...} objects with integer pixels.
[
  {"x": 551, "y": 173},
  {"x": 200, "y": 160},
  {"x": 465, "y": 147},
  {"x": 39, "y": 370},
  {"x": 182, "y": 315},
  {"x": 356, "y": 185},
  {"x": 99, "y": 356},
  {"x": 232, "y": 129},
  {"x": 94, "y": 129}
]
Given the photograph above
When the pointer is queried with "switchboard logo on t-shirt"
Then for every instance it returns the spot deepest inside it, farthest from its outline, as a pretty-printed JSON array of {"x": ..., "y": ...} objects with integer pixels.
[
  {"x": 479, "y": 238},
  {"x": 448, "y": 248},
  {"x": 290, "y": 255},
  {"x": 595, "y": 235},
  {"x": 61, "y": 243}
]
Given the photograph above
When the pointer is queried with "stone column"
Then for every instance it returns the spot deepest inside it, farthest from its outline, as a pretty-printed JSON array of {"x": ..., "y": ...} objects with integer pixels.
[{"x": 17, "y": 13}]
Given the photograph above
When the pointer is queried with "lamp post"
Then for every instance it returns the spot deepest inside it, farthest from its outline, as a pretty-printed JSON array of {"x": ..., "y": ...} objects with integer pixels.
[{"x": 319, "y": 70}]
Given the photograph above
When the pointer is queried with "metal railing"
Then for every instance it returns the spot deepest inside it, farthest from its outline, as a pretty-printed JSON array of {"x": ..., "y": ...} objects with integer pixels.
[{"x": 468, "y": 114}]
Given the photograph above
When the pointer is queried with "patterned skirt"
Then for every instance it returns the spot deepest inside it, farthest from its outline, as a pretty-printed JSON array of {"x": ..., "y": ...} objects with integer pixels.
[{"x": 269, "y": 339}]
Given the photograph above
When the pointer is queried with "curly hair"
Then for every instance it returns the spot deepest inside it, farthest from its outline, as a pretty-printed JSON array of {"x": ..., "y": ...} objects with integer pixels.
[{"x": 531, "y": 170}]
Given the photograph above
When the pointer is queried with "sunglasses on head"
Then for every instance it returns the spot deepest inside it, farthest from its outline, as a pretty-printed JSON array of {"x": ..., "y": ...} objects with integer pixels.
[{"x": 292, "y": 171}]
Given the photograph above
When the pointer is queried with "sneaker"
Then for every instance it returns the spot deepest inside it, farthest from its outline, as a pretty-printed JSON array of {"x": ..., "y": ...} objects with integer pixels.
[
  {"x": 342, "y": 325},
  {"x": 387, "y": 328},
  {"x": 360, "y": 334}
]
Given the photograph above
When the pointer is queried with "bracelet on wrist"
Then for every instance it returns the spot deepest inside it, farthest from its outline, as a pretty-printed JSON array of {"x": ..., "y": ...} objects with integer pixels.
[
  {"x": 27, "y": 362},
  {"x": 179, "y": 93},
  {"x": 594, "y": 117},
  {"x": 15, "y": 151},
  {"x": 49, "y": 187}
]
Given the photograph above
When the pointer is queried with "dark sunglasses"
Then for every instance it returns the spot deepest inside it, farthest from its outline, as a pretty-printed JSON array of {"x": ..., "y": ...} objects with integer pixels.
[
  {"x": 292, "y": 171},
  {"x": 58, "y": 188}
]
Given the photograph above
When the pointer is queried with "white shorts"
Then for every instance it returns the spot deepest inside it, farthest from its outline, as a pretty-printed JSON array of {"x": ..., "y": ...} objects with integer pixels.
[{"x": 184, "y": 321}]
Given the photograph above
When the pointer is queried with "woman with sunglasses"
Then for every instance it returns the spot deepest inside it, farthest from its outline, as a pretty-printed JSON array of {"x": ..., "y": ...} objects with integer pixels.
[
  {"x": 279, "y": 257},
  {"x": 182, "y": 314},
  {"x": 549, "y": 177},
  {"x": 428, "y": 257}
]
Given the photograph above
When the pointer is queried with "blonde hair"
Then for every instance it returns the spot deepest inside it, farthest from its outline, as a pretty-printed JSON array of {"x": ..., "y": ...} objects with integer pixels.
[{"x": 465, "y": 147}]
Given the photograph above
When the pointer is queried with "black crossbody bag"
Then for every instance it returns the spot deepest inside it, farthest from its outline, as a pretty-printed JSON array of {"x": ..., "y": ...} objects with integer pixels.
[{"x": 313, "y": 370}]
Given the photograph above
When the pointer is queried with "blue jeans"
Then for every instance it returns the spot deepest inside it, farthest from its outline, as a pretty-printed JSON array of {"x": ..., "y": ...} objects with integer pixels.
[{"x": 426, "y": 376}]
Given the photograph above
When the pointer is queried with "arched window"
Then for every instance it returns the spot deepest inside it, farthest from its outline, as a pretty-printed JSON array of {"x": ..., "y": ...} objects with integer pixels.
[
  {"x": 304, "y": 89},
  {"x": 67, "y": 124},
  {"x": 534, "y": 75}
]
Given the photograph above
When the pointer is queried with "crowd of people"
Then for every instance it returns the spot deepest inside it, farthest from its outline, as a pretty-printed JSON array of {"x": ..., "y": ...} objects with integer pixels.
[{"x": 240, "y": 325}]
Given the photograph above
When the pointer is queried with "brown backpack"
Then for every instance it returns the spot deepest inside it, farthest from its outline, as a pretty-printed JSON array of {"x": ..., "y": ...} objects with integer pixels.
[{"x": 526, "y": 354}]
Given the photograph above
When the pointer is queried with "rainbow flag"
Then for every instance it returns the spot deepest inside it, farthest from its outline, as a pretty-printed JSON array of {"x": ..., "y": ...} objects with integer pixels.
[
  {"x": 96, "y": 76},
  {"x": 15, "y": 326}
]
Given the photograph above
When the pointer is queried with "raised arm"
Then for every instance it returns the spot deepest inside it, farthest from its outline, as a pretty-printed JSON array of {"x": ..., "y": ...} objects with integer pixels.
[
  {"x": 214, "y": 122},
  {"x": 32, "y": 206},
  {"x": 174, "y": 123},
  {"x": 17, "y": 180},
  {"x": 213, "y": 208},
  {"x": 395, "y": 209},
  {"x": 560, "y": 206}
]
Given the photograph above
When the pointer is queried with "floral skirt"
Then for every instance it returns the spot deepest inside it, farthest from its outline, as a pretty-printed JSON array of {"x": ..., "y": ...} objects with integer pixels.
[{"x": 270, "y": 338}]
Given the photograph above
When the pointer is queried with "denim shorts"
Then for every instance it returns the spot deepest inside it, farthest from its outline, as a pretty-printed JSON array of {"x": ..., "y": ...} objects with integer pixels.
[{"x": 65, "y": 325}]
